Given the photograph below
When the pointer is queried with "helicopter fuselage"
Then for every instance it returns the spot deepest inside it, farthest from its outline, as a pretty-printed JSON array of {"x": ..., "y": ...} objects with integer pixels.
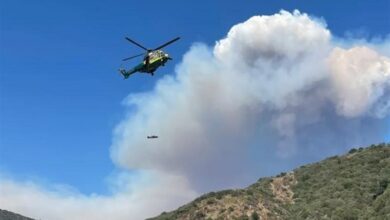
[{"x": 153, "y": 59}]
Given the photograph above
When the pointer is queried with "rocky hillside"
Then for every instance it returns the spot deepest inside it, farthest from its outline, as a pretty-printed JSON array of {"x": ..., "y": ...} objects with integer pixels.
[
  {"x": 6, "y": 215},
  {"x": 352, "y": 186}
]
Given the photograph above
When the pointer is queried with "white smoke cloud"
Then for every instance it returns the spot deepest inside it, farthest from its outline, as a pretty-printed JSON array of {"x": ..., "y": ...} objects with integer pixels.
[
  {"x": 278, "y": 91},
  {"x": 360, "y": 77},
  {"x": 139, "y": 198},
  {"x": 281, "y": 73}
]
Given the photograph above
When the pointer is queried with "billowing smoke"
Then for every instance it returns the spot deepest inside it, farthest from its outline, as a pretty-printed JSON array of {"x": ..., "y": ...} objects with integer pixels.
[
  {"x": 360, "y": 78},
  {"x": 138, "y": 198},
  {"x": 276, "y": 89},
  {"x": 277, "y": 92}
]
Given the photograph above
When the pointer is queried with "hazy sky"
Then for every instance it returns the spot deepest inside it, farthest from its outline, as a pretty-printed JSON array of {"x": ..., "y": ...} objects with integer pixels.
[{"x": 61, "y": 96}]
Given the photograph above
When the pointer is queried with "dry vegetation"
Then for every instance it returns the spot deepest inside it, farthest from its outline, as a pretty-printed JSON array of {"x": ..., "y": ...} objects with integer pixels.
[{"x": 353, "y": 186}]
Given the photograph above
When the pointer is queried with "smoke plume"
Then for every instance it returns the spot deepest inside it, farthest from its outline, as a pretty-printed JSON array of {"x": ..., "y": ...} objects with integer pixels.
[{"x": 278, "y": 91}]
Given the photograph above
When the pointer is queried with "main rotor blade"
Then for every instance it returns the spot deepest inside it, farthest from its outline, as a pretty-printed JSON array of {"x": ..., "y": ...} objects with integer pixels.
[
  {"x": 167, "y": 43},
  {"x": 128, "y": 58},
  {"x": 136, "y": 43}
]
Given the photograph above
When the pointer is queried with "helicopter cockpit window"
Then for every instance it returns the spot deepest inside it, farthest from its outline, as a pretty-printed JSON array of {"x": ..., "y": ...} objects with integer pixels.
[{"x": 153, "y": 55}]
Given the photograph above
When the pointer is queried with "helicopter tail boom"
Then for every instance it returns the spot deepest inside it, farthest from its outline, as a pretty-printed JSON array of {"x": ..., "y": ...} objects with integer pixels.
[{"x": 126, "y": 74}]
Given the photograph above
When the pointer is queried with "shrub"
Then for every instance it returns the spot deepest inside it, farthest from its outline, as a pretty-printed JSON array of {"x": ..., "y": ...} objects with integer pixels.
[
  {"x": 255, "y": 216},
  {"x": 199, "y": 214},
  {"x": 210, "y": 201},
  {"x": 353, "y": 150}
]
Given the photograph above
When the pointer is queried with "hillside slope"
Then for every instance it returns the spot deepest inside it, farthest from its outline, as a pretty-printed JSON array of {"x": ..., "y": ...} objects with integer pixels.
[
  {"x": 7, "y": 215},
  {"x": 352, "y": 186}
]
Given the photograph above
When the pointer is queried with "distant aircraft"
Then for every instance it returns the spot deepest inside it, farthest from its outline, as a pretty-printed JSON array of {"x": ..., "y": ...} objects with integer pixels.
[
  {"x": 153, "y": 59},
  {"x": 152, "y": 137}
]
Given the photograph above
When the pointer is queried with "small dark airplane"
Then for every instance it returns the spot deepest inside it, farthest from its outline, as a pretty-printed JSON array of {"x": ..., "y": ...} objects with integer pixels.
[
  {"x": 153, "y": 59},
  {"x": 152, "y": 137}
]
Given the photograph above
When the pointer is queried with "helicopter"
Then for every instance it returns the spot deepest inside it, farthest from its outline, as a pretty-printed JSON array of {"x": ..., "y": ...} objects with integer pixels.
[{"x": 153, "y": 59}]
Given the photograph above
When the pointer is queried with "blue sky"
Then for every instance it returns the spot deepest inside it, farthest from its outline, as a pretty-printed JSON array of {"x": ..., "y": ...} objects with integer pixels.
[{"x": 60, "y": 94}]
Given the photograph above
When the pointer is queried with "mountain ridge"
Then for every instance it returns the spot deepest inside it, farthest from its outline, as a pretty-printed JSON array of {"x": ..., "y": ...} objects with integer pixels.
[{"x": 7, "y": 215}]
